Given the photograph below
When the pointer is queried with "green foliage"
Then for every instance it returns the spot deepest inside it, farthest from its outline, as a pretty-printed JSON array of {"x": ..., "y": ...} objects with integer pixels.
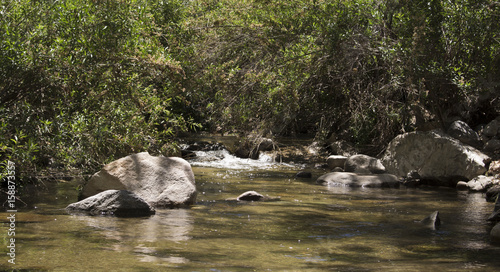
[
  {"x": 84, "y": 82},
  {"x": 364, "y": 70}
]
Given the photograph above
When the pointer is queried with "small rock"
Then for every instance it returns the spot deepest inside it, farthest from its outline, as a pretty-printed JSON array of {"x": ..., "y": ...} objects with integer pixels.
[
  {"x": 432, "y": 220},
  {"x": 250, "y": 196},
  {"x": 254, "y": 196}
]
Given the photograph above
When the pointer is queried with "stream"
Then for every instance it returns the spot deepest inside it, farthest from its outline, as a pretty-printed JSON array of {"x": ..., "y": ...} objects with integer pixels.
[{"x": 312, "y": 228}]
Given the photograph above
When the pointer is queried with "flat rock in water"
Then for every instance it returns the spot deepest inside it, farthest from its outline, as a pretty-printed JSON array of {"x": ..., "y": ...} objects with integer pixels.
[
  {"x": 359, "y": 180},
  {"x": 121, "y": 203},
  {"x": 253, "y": 196},
  {"x": 250, "y": 196}
]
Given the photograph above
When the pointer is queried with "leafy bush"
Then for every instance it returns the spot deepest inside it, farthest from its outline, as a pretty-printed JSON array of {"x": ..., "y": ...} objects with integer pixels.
[
  {"x": 85, "y": 82},
  {"x": 362, "y": 70}
]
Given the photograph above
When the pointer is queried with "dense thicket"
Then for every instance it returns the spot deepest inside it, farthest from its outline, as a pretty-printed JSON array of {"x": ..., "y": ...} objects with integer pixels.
[
  {"x": 84, "y": 81},
  {"x": 364, "y": 70}
]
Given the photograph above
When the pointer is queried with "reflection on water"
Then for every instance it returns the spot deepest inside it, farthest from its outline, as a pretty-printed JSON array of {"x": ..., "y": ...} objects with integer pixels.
[
  {"x": 173, "y": 225},
  {"x": 312, "y": 228}
]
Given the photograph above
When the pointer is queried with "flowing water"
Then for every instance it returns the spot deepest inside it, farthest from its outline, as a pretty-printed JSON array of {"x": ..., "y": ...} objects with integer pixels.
[{"x": 312, "y": 228}]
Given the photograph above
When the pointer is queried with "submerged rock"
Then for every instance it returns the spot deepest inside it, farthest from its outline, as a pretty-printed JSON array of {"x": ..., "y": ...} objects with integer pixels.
[
  {"x": 250, "y": 196},
  {"x": 160, "y": 181},
  {"x": 121, "y": 203},
  {"x": 253, "y": 196},
  {"x": 432, "y": 220},
  {"x": 357, "y": 180}
]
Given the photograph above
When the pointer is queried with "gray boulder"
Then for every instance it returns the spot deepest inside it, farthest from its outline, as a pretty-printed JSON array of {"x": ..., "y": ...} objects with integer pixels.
[
  {"x": 462, "y": 132},
  {"x": 357, "y": 180},
  {"x": 160, "y": 181},
  {"x": 437, "y": 157},
  {"x": 112, "y": 202},
  {"x": 363, "y": 164}
]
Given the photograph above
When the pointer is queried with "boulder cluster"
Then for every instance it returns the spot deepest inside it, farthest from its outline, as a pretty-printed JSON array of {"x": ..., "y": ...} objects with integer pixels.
[
  {"x": 136, "y": 184},
  {"x": 459, "y": 157}
]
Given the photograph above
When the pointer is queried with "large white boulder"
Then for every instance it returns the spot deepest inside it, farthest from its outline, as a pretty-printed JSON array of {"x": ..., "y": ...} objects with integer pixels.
[
  {"x": 160, "y": 181},
  {"x": 435, "y": 156}
]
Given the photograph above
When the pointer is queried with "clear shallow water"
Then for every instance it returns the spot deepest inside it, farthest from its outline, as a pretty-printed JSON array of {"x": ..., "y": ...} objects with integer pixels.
[{"x": 312, "y": 228}]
